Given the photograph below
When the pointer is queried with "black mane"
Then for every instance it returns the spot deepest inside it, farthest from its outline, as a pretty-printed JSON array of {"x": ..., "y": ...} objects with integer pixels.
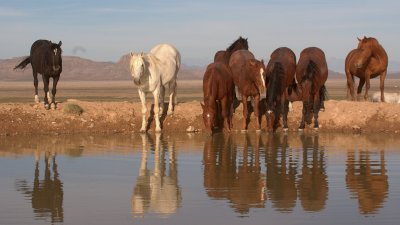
[
  {"x": 275, "y": 84},
  {"x": 240, "y": 42}
]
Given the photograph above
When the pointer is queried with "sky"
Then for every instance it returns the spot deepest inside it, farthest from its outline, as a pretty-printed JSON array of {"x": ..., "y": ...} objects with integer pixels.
[{"x": 105, "y": 30}]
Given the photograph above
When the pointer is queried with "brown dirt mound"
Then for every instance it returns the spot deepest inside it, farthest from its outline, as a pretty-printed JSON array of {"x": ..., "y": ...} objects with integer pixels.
[{"x": 125, "y": 117}]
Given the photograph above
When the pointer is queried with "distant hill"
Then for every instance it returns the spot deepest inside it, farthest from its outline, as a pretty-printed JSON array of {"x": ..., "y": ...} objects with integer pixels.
[
  {"x": 80, "y": 69},
  {"x": 76, "y": 69}
]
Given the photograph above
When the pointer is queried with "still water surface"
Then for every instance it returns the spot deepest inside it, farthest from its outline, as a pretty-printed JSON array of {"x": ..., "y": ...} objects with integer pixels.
[{"x": 195, "y": 179}]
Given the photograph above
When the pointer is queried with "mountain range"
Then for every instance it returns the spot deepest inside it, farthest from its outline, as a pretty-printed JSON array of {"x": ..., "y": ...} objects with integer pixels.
[{"x": 80, "y": 69}]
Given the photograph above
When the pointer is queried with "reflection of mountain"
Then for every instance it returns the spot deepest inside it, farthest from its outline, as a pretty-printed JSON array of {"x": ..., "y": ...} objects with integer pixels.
[
  {"x": 242, "y": 183},
  {"x": 157, "y": 189},
  {"x": 281, "y": 164},
  {"x": 313, "y": 181},
  {"x": 46, "y": 195},
  {"x": 366, "y": 179}
]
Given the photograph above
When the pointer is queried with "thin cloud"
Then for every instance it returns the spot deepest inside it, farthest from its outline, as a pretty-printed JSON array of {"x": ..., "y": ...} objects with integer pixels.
[{"x": 9, "y": 12}]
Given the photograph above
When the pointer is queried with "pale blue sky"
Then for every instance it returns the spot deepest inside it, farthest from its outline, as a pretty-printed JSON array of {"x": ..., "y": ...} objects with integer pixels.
[{"x": 108, "y": 29}]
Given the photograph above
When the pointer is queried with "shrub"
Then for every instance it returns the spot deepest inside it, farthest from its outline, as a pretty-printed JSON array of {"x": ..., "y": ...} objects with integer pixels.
[{"x": 72, "y": 108}]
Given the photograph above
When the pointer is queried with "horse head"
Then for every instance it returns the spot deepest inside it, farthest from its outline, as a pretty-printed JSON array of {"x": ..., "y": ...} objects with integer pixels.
[
  {"x": 54, "y": 56},
  {"x": 137, "y": 67},
  {"x": 240, "y": 43},
  {"x": 208, "y": 117},
  {"x": 367, "y": 42},
  {"x": 306, "y": 93},
  {"x": 274, "y": 91},
  {"x": 257, "y": 73}
]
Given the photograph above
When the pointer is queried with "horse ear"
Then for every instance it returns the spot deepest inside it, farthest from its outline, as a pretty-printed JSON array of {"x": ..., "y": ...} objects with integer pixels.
[
  {"x": 131, "y": 53},
  {"x": 141, "y": 54},
  {"x": 365, "y": 37},
  {"x": 358, "y": 39},
  {"x": 262, "y": 61},
  {"x": 59, "y": 43}
]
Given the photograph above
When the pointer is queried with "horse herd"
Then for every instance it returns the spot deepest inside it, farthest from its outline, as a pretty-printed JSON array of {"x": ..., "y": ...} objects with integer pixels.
[{"x": 234, "y": 71}]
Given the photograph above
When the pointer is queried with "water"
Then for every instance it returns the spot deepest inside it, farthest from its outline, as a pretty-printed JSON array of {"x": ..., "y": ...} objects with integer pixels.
[{"x": 195, "y": 179}]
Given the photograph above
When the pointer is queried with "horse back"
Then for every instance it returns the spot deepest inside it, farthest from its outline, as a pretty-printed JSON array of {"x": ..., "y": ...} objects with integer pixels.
[
  {"x": 318, "y": 57},
  {"x": 218, "y": 82},
  {"x": 286, "y": 57},
  {"x": 168, "y": 61},
  {"x": 237, "y": 63}
]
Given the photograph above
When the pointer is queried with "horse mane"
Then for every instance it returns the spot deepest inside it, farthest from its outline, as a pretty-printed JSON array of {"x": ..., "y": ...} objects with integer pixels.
[
  {"x": 275, "y": 83},
  {"x": 241, "y": 41}
]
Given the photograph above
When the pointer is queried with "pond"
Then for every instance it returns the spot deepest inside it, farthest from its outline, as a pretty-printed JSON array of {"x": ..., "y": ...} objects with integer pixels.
[{"x": 252, "y": 178}]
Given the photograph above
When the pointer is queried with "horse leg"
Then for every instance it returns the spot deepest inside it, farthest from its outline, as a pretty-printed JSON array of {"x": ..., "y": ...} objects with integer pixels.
[
  {"x": 367, "y": 85},
  {"x": 285, "y": 109},
  {"x": 316, "y": 108},
  {"x": 303, "y": 117},
  {"x": 350, "y": 84},
  {"x": 46, "y": 91},
  {"x": 35, "y": 83},
  {"x": 245, "y": 112},
  {"x": 54, "y": 91},
  {"x": 360, "y": 86},
  {"x": 172, "y": 96},
  {"x": 142, "y": 97},
  {"x": 257, "y": 112},
  {"x": 225, "y": 112},
  {"x": 161, "y": 99},
  {"x": 156, "y": 95},
  {"x": 382, "y": 85}
]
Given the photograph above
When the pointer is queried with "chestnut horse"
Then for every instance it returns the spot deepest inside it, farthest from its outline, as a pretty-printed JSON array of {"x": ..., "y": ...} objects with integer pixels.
[
  {"x": 218, "y": 90},
  {"x": 249, "y": 76},
  {"x": 224, "y": 56},
  {"x": 367, "y": 61},
  {"x": 311, "y": 75},
  {"x": 280, "y": 75}
]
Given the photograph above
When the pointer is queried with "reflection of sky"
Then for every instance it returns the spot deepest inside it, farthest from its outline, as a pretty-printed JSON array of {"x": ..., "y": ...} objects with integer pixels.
[
  {"x": 100, "y": 186},
  {"x": 109, "y": 29}
]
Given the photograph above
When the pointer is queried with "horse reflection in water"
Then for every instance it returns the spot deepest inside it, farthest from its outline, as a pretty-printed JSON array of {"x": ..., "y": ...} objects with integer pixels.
[
  {"x": 313, "y": 181},
  {"x": 366, "y": 179},
  {"x": 282, "y": 165},
  {"x": 232, "y": 174},
  {"x": 156, "y": 190},
  {"x": 47, "y": 194}
]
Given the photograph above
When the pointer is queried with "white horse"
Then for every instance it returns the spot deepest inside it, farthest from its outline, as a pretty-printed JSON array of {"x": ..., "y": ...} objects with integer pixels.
[{"x": 154, "y": 72}]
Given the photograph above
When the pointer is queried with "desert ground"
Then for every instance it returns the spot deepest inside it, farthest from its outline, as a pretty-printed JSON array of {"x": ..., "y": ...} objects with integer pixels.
[{"x": 114, "y": 107}]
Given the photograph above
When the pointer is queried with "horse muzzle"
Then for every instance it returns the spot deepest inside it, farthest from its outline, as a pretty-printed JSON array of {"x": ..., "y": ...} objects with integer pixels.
[{"x": 136, "y": 81}]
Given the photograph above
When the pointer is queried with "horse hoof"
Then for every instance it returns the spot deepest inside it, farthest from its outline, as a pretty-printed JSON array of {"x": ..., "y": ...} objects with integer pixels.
[
  {"x": 53, "y": 106},
  {"x": 300, "y": 129},
  {"x": 258, "y": 131},
  {"x": 170, "y": 112},
  {"x": 322, "y": 109},
  {"x": 158, "y": 130},
  {"x": 285, "y": 130},
  {"x": 37, "y": 100},
  {"x": 316, "y": 128},
  {"x": 142, "y": 131},
  {"x": 243, "y": 131},
  {"x": 47, "y": 106}
]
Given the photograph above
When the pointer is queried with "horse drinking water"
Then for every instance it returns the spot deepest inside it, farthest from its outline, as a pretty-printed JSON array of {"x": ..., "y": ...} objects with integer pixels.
[
  {"x": 219, "y": 91},
  {"x": 154, "y": 72},
  {"x": 45, "y": 58},
  {"x": 280, "y": 75}
]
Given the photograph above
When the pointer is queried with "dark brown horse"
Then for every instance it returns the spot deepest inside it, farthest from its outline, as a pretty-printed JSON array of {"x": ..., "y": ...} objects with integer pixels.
[
  {"x": 218, "y": 90},
  {"x": 249, "y": 76},
  {"x": 311, "y": 75},
  {"x": 367, "y": 61},
  {"x": 280, "y": 75},
  {"x": 224, "y": 56}
]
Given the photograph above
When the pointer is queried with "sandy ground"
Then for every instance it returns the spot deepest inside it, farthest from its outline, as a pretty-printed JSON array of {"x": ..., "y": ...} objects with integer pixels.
[{"x": 125, "y": 117}]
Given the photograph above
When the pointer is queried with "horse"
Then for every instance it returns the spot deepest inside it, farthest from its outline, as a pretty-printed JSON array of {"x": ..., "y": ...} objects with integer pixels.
[
  {"x": 311, "y": 75},
  {"x": 280, "y": 75},
  {"x": 367, "y": 61},
  {"x": 154, "y": 72},
  {"x": 249, "y": 76},
  {"x": 219, "y": 92},
  {"x": 224, "y": 56},
  {"x": 45, "y": 58}
]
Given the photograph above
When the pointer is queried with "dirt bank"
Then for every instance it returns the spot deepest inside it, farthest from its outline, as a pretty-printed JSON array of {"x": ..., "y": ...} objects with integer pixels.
[{"x": 125, "y": 117}]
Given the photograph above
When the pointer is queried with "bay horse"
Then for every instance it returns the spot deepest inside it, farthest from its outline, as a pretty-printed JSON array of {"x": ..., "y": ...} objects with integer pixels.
[
  {"x": 280, "y": 75},
  {"x": 154, "y": 72},
  {"x": 219, "y": 92},
  {"x": 224, "y": 56},
  {"x": 311, "y": 75},
  {"x": 249, "y": 76},
  {"x": 367, "y": 61},
  {"x": 45, "y": 58}
]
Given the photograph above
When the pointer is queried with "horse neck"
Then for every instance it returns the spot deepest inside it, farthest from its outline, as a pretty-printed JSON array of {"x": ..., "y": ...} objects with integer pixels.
[{"x": 378, "y": 52}]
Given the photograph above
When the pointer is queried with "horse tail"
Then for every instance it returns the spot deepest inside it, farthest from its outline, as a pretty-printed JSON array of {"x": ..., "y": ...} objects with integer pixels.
[
  {"x": 23, "y": 64},
  {"x": 323, "y": 93},
  {"x": 293, "y": 87},
  {"x": 275, "y": 83}
]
